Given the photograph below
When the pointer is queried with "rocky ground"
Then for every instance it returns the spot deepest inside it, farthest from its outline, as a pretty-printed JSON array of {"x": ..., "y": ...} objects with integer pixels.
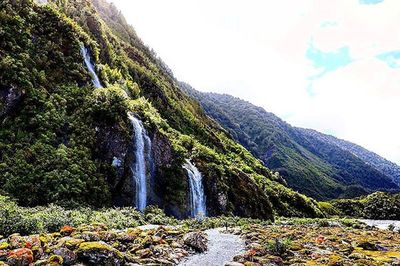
[
  {"x": 333, "y": 245},
  {"x": 96, "y": 245},
  {"x": 283, "y": 243}
]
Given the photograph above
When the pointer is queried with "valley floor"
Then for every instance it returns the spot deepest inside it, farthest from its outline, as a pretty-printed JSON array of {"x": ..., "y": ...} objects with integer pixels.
[{"x": 246, "y": 242}]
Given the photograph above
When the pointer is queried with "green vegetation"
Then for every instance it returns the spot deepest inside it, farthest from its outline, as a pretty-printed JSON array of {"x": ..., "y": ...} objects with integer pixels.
[
  {"x": 59, "y": 135},
  {"x": 308, "y": 160},
  {"x": 27, "y": 220},
  {"x": 378, "y": 205}
]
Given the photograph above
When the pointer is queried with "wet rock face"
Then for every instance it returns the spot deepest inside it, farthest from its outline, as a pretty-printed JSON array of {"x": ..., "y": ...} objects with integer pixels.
[
  {"x": 248, "y": 199},
  {"x": 162, "y": 150},
  {"x": 170, "y": 179},
  {"x": 242, "y": 197},
  {"x": 10, "y": 97},
  {"x": 113, "y": 147}
]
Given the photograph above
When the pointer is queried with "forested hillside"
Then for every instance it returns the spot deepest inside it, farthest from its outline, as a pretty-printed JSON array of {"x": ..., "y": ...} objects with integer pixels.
[
  {"x": 65, "y": 141},
  {"x": 308, "y": 162}
]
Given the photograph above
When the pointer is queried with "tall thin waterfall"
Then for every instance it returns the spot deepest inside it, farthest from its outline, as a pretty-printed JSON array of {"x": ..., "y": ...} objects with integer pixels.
[
  {"x": 142, "y": 155},
  {"x": 86, "y": 56},
  {"x": 197, "y": 197}
]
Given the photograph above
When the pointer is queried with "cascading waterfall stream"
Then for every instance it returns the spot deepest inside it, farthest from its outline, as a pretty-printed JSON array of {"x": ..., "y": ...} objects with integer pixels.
[
  {"x": 139, "y": 169},
  {"x": 197, "y": 197},
  {"x": 90, "y": 67}
]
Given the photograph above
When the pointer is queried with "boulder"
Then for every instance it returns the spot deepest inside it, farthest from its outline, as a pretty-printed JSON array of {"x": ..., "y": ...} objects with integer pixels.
[
  {"x": 20, "y": 256},
  {"x": 68, "y": 256},
  {"x": 196, "y": 240},
  {"x": 99, "y": 253}
]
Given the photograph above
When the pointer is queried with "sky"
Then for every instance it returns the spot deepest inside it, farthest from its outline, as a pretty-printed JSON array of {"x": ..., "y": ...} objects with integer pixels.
[{"x": 333, "y": 66}]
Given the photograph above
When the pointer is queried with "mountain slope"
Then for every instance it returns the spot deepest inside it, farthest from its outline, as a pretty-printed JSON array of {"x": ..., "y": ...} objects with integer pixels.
[
  {"x": 310, "y": 165},
  {"x": 381, "y": 164},
  {"x": 63, "y": 141}
]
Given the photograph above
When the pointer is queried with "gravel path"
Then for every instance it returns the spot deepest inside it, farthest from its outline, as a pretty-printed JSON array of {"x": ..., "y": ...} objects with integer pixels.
[{"x": 221, "y": 248}]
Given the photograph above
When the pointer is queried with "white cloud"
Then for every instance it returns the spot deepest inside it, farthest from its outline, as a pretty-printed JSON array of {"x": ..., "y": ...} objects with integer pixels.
[{"x": 256, "y": 50}]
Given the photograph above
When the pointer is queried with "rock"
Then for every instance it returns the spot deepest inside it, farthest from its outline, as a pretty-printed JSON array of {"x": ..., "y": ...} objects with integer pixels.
[
  {"x": 144, "y": 253},
  {"x": 41, "y": 263},
  {"x": 90, "y": 236},
  {"x": 368, "y": 246},
  {"x": 20, "y": 256},
  {"x": 66, "y": 230},
  {"x": 233, "y": 263},
  {"x": 10, "y": 99},
  {"x": 320, "y": 240},
  {"x": 55, "y": 260},
  {"x": 16, "y": 241},
  {"x": 72, "y": 243},
  {"x": 68, "y": 256},
  {"x": 196, "y": 240},
  {"x": 255, "y": 246},
  {"x": 4, "y": 245},
  {"x": 99, "y": 253},
  {"x": 357, "y": 256}
]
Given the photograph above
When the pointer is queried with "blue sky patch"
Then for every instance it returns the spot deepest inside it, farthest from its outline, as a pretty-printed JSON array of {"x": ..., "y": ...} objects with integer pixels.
[
  {"x": 370, "y": 2},
  {"x": 328, "y": 61},
  {"x": 328, "y": 24},
  {"x": 392, "y": 59}
]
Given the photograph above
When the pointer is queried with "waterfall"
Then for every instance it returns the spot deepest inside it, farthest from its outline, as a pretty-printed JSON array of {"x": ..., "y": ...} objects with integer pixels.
[
  {"x": 90, "y": 67},
  {"x": 143, "y": 158},
  {"x": 197, "y": 197}
]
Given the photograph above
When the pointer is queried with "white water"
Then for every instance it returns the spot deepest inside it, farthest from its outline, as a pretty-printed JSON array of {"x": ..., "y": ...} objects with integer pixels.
[
  {"x": 90, "y": 67},
  {"x": 139, "y": 170},
  {"x": 197, "y": 198}
]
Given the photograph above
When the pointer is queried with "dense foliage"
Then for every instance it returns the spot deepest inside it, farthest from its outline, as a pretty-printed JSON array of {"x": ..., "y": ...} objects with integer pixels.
[
  {"x": 378, "y": 205},
  {"x": 308, "y": 162},
  {"x": 51, "y": 218}
]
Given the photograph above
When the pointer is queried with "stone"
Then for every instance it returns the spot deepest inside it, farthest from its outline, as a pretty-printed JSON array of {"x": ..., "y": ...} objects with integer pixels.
[
  {"x": 16, "y": 241},
  {"x": 233, "y": 263},
  {"x": 20, "y": 256},
  {"x": 368, "y": 246},
  {"x": 99, "y": 253},
  {"x": 196, "y": 240},
  {"x": 66, "y": 230},
  {"x": 69, "y": 257},
  {"x": 55, "y": 260}
]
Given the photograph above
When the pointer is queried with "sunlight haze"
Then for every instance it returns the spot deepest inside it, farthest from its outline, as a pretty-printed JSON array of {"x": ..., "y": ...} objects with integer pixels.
[{"x": 324, "y": 65}]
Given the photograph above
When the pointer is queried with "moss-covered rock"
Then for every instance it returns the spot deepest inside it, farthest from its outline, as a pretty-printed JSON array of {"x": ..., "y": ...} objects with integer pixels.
[{"x": 99, "y": 253}]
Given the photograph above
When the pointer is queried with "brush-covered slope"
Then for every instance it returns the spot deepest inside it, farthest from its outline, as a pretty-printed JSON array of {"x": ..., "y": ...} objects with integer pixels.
[
  {"x": 59, "y": 135},
  {"x": 378, "y": 162},
  {"x": 309, "y": 163}
]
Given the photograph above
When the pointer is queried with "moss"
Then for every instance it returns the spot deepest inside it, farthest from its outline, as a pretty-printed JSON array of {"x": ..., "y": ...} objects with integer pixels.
[
  {"x": 55, "y": 260},
  {"x": 4, "y": 245},
  {"x": 73, "y": 243},
  {"x": 98, "y": 246}
]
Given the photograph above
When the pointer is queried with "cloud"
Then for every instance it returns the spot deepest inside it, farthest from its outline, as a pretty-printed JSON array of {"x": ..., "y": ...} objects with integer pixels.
[{"x": 260, "y": 50}]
